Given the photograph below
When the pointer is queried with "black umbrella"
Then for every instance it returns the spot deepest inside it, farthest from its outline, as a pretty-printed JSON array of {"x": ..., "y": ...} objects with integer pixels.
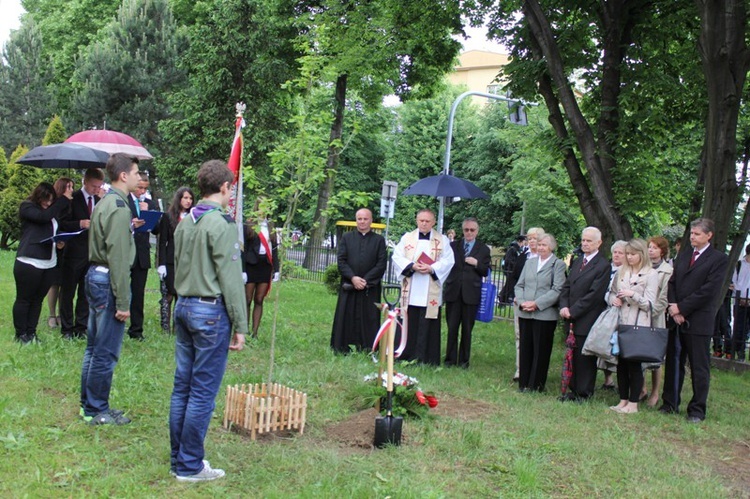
[
  {"x": 65, "y": 156},
  {"x": 446, "y": 186}
]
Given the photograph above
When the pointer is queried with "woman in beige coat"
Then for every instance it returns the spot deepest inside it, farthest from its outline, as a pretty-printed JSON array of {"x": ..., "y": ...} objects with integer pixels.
[
  {"x": 537, "y": 295},
  {"x": 658, "y": 253},
  {"x": 634, "y": 291}
]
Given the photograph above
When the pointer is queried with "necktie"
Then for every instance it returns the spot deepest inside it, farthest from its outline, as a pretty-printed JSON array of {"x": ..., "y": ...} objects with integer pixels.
[
  {"x": 466, "y": 248},
  {"x": 695, "y": 255},
  {"x": 91, "y": 204},
  {"x": 583, "y": 265}
]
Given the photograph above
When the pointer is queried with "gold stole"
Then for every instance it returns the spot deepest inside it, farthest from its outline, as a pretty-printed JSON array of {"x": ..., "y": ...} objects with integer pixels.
[{"x": 436, "y": 250}]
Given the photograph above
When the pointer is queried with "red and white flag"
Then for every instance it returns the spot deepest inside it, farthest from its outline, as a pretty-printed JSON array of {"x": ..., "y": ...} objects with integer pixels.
[{"x": 235, "y": 165}]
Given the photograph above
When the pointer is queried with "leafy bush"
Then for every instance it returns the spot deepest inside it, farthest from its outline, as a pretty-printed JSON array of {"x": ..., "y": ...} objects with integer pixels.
[{"x": 332, "y": 278}]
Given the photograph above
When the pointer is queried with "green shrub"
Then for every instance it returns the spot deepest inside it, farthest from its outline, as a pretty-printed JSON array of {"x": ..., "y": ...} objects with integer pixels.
[{"x": 332, "y": 278}]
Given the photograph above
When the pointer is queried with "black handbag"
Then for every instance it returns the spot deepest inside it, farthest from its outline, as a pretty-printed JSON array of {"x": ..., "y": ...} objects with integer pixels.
[{"x": 642, "y": 343}]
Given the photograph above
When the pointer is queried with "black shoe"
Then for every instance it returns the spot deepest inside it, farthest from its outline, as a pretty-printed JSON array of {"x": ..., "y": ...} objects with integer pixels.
[
  {"x": 23, "y": 339},
  {"x": 137, "y": 336},
  {"x": 570, "y": 397},
  {"x": 608, "y": 387},
  {"x": 694, "y": 419},
  {"x": 665, "y": 409}
]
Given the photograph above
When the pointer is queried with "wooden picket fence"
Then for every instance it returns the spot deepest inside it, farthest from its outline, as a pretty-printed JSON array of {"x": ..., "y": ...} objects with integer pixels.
[{"x": 264, "y": 408}]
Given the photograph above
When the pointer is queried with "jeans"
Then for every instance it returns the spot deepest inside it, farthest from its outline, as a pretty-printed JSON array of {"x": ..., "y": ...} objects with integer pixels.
[
  {"x": 103, "y": 342},
  {"x": 202, "y": 331}
]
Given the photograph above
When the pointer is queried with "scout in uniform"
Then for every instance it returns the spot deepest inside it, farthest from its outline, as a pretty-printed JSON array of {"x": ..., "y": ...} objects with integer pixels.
[
  {"x": 210, "y": 305},
  {"x": 111, "y": 252}
]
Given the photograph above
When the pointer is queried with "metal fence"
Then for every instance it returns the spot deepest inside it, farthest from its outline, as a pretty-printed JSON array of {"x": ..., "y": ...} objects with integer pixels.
[{"x": 319, "y": 258}]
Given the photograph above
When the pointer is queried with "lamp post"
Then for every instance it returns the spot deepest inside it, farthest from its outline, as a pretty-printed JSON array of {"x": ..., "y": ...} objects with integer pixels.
[{"x": 449, "y": 139}]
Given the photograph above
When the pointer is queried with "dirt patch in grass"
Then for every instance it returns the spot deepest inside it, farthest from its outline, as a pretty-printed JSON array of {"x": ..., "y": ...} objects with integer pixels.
[
  {"x": 358, "y": 430},
  {"x": 734, "y": 466}
]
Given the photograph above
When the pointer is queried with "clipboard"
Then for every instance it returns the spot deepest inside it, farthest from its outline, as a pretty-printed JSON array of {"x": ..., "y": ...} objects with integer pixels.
[
  {"x": 151, "y": 218},
  {"x": 62, "y": 236}
]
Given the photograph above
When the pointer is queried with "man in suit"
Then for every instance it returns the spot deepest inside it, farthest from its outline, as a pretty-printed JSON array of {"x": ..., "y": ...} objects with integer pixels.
[
  {"x": 139, "y": 271},
  {"x": 76, "y": 256},
  {"x": 462, "y": 292},
  {"x": 581, "y": 302},
  {"x": 695, "y": 283}
]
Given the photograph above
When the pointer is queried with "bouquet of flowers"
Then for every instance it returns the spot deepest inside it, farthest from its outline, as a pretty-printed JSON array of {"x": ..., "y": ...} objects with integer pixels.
[{"x": 408, "y": 398}]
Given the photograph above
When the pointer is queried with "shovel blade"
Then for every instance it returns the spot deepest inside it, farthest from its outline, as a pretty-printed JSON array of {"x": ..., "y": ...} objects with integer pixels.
[{"x": 388, "y": 431}]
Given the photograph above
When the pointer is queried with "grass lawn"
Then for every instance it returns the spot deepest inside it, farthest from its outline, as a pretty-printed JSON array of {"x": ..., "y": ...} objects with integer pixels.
[{"x": 484, "y": 440}]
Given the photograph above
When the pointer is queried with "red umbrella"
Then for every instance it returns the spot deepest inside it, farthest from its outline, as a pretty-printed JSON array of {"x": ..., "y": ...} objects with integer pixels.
[
  {"x": 111, "y": 142},
  {"x": 567, "y": 369}
]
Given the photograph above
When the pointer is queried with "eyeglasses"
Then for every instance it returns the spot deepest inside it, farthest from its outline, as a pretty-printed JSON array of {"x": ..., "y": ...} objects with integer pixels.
[{"x": 466, "y": 229}]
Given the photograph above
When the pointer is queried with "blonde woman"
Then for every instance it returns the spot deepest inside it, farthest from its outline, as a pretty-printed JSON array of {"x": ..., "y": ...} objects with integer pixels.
[
  {"x": 634, "y": 292},
  {"x": 532, "y": 237}
]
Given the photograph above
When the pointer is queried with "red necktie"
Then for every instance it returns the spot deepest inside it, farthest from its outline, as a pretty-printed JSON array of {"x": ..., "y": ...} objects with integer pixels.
[
  {"x": 583, "y": 265},
  {"x": 695, "y": 255},
  {"x": 91, "y": 205}
]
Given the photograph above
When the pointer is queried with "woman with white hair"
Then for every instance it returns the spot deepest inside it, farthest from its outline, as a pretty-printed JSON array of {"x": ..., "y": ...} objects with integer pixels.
[{"x": 537, "y": 296}]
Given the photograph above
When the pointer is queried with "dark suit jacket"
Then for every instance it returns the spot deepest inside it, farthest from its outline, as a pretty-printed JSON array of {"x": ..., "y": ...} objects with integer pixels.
[
  {"x": 695, "y": 288},
  {"x": 583, "y": 293},
  {"x": 36, "y": 225},
  {"x": 251, "y": 255},
  {"x": 78, "y": 246},
  {"x": 142, "y": 244},
  {"x": 464, "y": 282}
]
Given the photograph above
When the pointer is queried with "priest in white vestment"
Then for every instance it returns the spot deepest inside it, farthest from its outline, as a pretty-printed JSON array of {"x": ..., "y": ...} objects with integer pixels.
[{"x": 423, "y": 259}]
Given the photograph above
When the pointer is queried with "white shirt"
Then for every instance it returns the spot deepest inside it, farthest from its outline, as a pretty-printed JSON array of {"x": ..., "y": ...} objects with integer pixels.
[
  {"x": 420, "y": 283},
  {"x": 540, "y": 263},
  {"x": 741, "y": 279}
]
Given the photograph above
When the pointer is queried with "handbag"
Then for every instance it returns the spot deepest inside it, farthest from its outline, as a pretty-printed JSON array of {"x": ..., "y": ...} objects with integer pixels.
[
  {"x": 642, "y": 343},
  {"x": 597, "y": 342},
  {"x": 486, "y": 308}
]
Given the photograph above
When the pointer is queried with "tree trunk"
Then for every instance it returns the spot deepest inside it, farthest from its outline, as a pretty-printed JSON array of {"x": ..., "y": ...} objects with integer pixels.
[
  {"x": 320, "y": 219},
  {"x": 724, "y": 56},
  {"x": 604, "y": 212}
]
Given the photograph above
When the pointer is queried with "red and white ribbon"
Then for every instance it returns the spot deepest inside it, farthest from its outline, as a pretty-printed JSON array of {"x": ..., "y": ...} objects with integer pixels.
[{"x": 392, "y": 316}]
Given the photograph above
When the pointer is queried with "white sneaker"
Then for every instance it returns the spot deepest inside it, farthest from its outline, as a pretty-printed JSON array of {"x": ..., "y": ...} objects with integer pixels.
[
  {"x": 174, "y": 473},
  {"x": 206, "y": 474}
]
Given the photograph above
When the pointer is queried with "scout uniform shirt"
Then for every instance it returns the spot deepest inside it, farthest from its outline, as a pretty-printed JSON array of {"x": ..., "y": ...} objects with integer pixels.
[
  {"x": 207, "y": 260},
  {"x": 111, "y": 243}
]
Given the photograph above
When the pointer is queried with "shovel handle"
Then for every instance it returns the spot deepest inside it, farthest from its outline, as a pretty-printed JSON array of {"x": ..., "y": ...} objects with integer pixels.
[
  {"x": 391, "y": 295},
  {"x": 389, "y": 355}
]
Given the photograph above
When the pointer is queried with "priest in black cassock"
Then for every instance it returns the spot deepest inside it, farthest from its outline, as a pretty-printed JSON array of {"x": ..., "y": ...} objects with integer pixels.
[{"x": 362, "y": 261}]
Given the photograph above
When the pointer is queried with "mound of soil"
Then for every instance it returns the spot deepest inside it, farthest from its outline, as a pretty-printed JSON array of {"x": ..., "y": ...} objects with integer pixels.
[{"x": 358, "y": 431}]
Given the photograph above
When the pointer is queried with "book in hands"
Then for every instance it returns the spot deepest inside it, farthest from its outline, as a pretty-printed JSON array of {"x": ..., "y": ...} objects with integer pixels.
[{"x": 425, "y": 258}]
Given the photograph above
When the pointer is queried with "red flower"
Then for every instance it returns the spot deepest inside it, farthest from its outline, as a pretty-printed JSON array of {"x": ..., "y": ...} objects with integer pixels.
[
  {"x": 432, "y": 401},
  {"x": 420, "y": 397}
]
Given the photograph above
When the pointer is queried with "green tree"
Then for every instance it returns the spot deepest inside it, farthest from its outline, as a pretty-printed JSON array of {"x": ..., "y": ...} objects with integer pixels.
[
  {"x": 239, "y": 50},
  {"x": 68, "y": 27},
  {"x": 25, "y": 100},
  {"x": 22, "y": 180},
  {"x": 125, "y": 77},
  {"x": 55, "y": 134},
  {"x": 376, "y": 48}
]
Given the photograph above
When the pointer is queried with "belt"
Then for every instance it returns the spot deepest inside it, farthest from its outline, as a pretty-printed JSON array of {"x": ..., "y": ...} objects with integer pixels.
[{"x": 211, "y": 300}]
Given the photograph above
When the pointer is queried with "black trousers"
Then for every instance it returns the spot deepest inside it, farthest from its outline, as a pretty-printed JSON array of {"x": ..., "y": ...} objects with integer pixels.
[
  {"x": 459, "y": 315},
  {"x": 722, "y": 331},
  {"x": 74, "y": 283},
  {"x": 739, "y": 335},
  {"x": 696, "y": 350},
  {"x": 583, "y": 381},
  {"x": 138, "y": 277},
  {"x": 32, "y": 285},
  {"x": 534, "y": 352},
  {"x": 423, "y": 340},
  {"x": 629, "y": 380}
]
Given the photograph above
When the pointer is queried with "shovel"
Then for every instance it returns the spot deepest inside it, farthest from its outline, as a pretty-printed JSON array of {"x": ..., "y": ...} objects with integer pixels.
[{"x": 388, "y": 428}]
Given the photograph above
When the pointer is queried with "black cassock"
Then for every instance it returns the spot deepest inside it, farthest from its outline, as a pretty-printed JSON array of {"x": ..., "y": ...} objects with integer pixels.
[{"x": 357, "y": 318}]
